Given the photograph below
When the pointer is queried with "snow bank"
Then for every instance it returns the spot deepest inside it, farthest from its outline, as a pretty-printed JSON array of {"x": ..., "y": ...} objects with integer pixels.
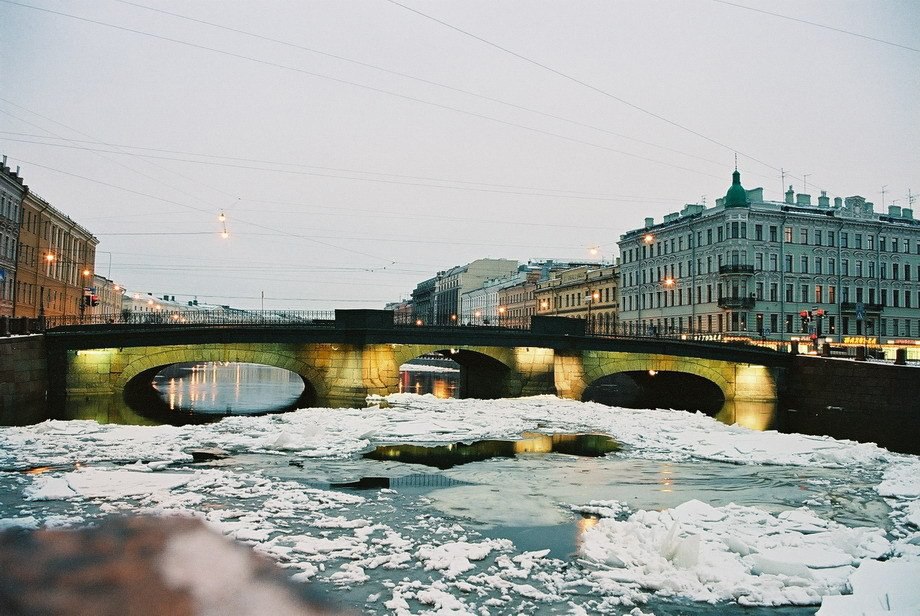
[{"x": 732, "y": 553}]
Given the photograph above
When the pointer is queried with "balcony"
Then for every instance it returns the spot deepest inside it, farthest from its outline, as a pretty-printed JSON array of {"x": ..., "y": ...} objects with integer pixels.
[
  {"x": 736, "y": 303},
  {"x": 851, "y": 307},
  {"x": 736, "y": 268}
]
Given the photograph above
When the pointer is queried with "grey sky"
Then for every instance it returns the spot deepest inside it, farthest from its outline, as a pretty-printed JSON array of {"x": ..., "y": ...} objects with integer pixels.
[{"x": 344, "y": 184}]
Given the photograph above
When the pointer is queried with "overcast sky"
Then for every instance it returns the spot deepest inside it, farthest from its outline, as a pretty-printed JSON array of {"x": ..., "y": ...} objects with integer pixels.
[{"x": 358, "y": 147}]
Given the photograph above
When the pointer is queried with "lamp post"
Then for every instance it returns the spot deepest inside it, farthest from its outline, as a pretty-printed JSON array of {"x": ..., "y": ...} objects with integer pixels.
[
  {"x": 590, "y": 298},
  {"x": 501, "y": 315},
  {"x": 668, "y": 284},
  {"x": 86, "y": 274},
  {"x": 647, "y": 240}
]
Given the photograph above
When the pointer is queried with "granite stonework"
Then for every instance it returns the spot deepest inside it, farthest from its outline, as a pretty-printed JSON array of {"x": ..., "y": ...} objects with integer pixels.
[{"x": 23, "y": 374}]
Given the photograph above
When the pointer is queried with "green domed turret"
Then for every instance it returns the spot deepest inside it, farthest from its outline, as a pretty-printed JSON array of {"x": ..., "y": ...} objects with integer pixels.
[{"x": 736, "y": 195}]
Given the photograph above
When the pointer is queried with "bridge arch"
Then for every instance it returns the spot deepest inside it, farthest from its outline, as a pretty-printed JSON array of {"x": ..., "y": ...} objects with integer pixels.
[
  {"x": 492, "y": 372},
  {"x": 143, "y": 364},
  {"x": 736, "y": 381}
]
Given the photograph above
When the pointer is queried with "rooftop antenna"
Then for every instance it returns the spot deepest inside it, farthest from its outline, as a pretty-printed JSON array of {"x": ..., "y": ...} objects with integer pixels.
[
  {"x": 910, "y": 199},
  {"x": 884, "y": 191},
  {"x": 782, "y": 180},
  {"x": 736, "y": 161},
  {"x": 805, "y": 182}
]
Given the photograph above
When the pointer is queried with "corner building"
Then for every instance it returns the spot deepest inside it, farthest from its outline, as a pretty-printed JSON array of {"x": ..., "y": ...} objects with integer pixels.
[{"x": 751, "y": 267}]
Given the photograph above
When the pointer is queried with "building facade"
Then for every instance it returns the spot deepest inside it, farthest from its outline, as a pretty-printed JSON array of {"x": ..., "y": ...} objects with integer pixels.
[
  {"x": 56, "y": 261},
  {"x": 786, "y": 270},
  {"x": 451, "y": 284},
  {"x": 12, "y": 190},
  {"x": 423, "y": 301},
  {"x": 585, "y": 292},
  {"x": 109, "y": 298}
]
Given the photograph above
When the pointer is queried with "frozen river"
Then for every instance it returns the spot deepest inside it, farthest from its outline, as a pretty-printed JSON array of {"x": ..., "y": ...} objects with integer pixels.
[{"x": 427, "y": 505}]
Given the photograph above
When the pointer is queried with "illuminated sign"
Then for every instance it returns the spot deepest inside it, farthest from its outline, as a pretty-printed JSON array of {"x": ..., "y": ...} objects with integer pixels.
[{"x": 860, "y": 340}]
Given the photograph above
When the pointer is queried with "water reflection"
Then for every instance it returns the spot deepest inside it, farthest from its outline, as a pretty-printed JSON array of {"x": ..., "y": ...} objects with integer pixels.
[
  {"x": 227, "y": 388},
  {"x": 440, "y": 384},
  {"x": 455, "y": 454}
]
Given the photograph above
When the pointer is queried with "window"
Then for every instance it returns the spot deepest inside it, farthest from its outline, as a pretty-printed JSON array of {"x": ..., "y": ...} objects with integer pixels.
[
  {"x": 804, "y": 293},
  {"x": 758, "y": 233},
  {"x": 734, "y": 231},
  {"x": 721, "y": 233},
  {"x": 882, "y": 243},
  {"x": 819, "y": 294},
  {"x": 803, "y": 264},
  {"x": 832, "y": 295},
  {"x": 870, "y": 242},
  {"x": 818, "y": 265},
  {"x": 758, "y": 261},
  {"x": 709, "y": 236},
  {"x": 787, "y": 235},
  {"x": 830, "y": 239},
  {"x": 774, "y": 267},
  {"x": 789, "y": 293},
  {"x": 818, "y": 237},
  {"x": 744, "y": 230},
  {"x": 845, "y": 267},
  {"x": 857, "y": 240},
  {"x": 773, "y": 233},
  {"x": 871, "y": 269},
  {"x": 788, "y": 263},
  {"x": 774, "y": 288},
  {"x": 844, "y": 239},
  {"x": 760, "y": 291},
  {"x": 845, "y": 294},
  {"x": 803, "y": 237},
  {"x": 894, "y": 245},
  {"x": 883, "y": 271},
  {"x": 906, "y": 271},
  {"x": 859, "y": 268},
  {"x": 906, "y": 246}
]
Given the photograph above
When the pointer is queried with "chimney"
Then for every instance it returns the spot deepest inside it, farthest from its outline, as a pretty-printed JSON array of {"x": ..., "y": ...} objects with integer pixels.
[
  {"x": 790, "y": 195},
  {"x": 649, "y": 223},
  {"x": 4, "y": 160},
  {"x": 907, "y": 213},
  {"x": 838, "y": 202},
  {"x": 894, "y": 211},
  {"x": 802, "y": 199},
  {"x": 823, "y": 200}
]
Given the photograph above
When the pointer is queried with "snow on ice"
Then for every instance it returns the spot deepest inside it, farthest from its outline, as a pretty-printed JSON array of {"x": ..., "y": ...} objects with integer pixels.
[{"x": 693, "y": 550}]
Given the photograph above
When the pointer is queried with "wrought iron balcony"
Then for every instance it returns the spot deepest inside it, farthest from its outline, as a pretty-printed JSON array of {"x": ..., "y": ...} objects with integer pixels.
[
  {"x": 736, "y": 268},
  {"x": 851, "y": 307},
  {"x": 737, "y": 302}
]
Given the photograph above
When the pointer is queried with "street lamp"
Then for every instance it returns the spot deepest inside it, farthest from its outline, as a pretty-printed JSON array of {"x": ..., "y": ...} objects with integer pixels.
[
  {"x": 478, "y": 315},
  {"x": 590, "y": 298},
  {"x": 501, "y": 314}
]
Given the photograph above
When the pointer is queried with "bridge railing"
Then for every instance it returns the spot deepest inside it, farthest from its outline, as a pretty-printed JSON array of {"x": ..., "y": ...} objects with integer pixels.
[{"x": 318, "y": 318}]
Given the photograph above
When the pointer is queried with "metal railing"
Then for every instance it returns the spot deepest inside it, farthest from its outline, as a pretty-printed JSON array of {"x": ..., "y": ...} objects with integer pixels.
[
  {"x": 200, "y": 317},
  {"x": 736, "y": 268}
]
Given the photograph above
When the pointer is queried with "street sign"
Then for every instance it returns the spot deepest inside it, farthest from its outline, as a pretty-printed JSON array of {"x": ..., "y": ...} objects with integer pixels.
[{"x": 860, "y": 311}]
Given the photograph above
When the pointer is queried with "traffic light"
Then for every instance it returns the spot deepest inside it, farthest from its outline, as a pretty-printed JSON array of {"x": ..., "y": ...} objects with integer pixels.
[{"x": 93, "y": 300}]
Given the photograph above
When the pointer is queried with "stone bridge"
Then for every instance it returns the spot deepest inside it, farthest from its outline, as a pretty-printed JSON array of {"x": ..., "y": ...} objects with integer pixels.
[{"x": 360, "y": 354}]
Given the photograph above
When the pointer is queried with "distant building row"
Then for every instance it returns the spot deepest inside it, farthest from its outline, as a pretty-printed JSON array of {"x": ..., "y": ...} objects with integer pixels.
[{"x": 787, "y": 270}]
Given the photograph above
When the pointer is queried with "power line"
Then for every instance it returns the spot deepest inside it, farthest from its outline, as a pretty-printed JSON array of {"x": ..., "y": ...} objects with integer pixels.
[
  {"x": 573, "y": 195},
  {"x": 364, "y": 86},
  {"x": 579, "y": 82},
  {"x": 817, "y": 25},
  {"x": 415, "y": 78},
  {"x": 251, "y": 223}
]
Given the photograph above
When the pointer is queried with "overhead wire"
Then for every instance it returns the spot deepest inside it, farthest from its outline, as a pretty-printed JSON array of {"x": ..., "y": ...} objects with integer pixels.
[
  {"x": 818, "y": 25},
  {"x": 363, "y": 86},
  {"x": 582, "y": 83}
]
